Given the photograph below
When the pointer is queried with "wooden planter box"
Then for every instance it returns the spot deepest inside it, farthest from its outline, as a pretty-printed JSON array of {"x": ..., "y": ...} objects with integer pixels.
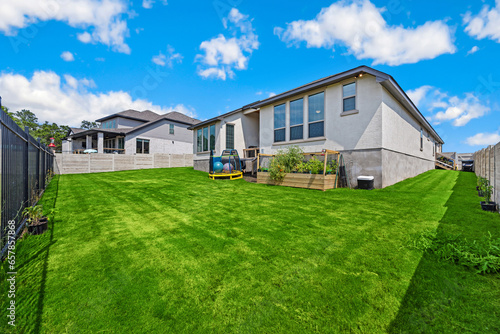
[{"x": 297, "y": 180}]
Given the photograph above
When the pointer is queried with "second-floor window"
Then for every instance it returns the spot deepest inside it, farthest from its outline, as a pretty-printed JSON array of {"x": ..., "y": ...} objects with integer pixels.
[
  {"x": 349, "y": 97},
  {"x": 317, "y": 115},
  {"x": 171, "y": 129}
]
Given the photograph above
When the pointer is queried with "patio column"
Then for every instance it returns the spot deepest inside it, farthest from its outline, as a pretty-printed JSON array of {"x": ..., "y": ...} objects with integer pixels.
[
  {"x": 89, "y": 142},
  {"x": 100, "y": 142}
]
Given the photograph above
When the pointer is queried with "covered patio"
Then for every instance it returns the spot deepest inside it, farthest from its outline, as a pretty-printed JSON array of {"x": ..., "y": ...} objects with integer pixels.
[{"x": 103, "y": 141}]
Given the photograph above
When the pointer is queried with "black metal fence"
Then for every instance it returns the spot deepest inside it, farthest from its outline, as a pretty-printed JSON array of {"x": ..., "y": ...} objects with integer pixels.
[{"x": 24, "y": 166}]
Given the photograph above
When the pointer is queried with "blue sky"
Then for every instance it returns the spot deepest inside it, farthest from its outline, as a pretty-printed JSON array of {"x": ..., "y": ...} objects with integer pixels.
[{"x": 69, "y": 60}]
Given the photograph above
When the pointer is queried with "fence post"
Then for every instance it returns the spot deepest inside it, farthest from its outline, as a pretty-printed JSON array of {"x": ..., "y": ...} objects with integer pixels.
[{"x": 26, "y": 167}]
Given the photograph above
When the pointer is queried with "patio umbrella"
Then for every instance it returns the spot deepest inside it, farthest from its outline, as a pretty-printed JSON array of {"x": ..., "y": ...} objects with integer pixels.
[{"x": 90, "y": 150}]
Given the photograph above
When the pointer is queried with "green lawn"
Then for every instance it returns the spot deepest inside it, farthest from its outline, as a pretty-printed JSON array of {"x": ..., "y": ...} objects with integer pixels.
[{"x": 170, "y": 251}]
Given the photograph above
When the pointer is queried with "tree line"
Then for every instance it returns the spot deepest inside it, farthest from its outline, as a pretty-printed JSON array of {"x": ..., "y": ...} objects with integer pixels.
[{"x": 46, "y": 130}]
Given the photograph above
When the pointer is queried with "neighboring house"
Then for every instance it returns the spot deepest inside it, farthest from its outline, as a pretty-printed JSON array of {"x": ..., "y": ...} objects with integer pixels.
[
  {"x": 135, "y": 132},
  {"x": 363, "y": 113}
]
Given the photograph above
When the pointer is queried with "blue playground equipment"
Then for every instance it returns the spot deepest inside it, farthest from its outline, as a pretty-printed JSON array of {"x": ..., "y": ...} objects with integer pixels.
[{"x": 228, "y": 165}]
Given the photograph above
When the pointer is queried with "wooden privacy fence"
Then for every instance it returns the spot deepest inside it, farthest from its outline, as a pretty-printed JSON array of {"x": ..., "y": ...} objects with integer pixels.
[
  {"x": 96, "y": 163},
  {"x": 24, "y": 165},
  {"x": 487, "y": 165}
]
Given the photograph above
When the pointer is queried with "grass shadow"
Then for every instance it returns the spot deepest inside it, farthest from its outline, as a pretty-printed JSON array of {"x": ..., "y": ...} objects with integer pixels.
[{"x": 444, "y": 297}]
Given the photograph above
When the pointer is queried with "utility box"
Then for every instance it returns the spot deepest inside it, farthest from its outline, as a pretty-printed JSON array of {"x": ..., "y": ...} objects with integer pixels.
[{"x": 365, "y": 182}]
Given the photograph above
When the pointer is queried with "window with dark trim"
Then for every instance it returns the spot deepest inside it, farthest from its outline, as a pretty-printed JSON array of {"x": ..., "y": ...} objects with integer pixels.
[
  {"x": 199, "y": 141},
  {"x": 229, "y": 137},
  {"x": 421, "y": 139},
  {"x": 142, "y": 146},
  {"x": 279, "y": 122},
  {"x": 317, "y": 115},
  {"x": 171, "y": 129},
  {"x": 205, "y": 139},
  {"x": 212, "y": 137},
  {"x": 349, "y": 97},
  {"x": 297, "y": 119}
]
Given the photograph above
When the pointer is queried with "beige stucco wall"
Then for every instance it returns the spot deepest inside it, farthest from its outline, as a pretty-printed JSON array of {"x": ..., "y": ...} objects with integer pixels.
[{"x": 356, "y": 131}]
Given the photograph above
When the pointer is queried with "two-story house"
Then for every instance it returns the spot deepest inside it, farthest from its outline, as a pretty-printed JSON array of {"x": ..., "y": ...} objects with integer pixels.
[
  {"x": 135, "y": 132},
  {"x": 363, "y": 113}
]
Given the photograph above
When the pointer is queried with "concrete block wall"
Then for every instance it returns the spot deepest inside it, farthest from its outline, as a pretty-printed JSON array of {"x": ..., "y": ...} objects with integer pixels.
[
  {"x": 96, "y": 163},
  {"x": 487, "y": 165}
]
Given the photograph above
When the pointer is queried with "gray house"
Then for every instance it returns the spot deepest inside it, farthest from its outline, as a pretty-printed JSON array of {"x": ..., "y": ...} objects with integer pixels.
[
  {"x": 135, "y": 132},
  {"x": 363, "y": 113}
]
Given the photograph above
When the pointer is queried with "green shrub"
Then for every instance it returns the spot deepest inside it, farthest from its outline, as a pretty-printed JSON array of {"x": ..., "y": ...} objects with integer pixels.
[
  {"x": 315, "y": 166},
  {"x": 482, "y": 255},
  {"x": 285, "y": 161}
]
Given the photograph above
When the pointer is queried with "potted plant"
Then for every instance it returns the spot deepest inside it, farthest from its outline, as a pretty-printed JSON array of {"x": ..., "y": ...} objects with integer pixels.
[
  {"x": 37, "y": 224},
  {"x": 488, "y": 205},
  {"x": 483, "y": 184}
]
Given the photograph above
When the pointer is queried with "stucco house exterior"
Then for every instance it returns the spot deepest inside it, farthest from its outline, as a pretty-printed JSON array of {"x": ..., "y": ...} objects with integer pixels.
[
  {"x": 363, "y": 113},
  {"x": 135, "y": 132}
]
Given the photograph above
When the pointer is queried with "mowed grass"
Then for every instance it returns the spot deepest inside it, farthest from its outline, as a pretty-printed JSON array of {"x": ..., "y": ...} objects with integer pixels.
[{"x": 170, "y": 251}]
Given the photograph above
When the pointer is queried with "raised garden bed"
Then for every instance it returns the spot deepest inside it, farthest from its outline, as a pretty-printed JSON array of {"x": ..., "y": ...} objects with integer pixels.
[{"x": 300, "y": 180}]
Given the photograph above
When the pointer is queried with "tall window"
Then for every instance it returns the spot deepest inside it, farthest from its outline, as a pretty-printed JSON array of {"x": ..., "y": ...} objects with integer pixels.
[
  {"x": 199, "y": 141},
  {"x": 142, "y": 146},
  {"x": 171, "y": 129},
  {"x": 121, "y": 143},
  {"x": 421, "y": 139},
  {"x": 205, "y": 139},
  {"x": 212, "y": 137},
  {"x": 297, "y": 119},
  {"x": 317, "y": 115},
  {"x": 349, "y": 96},
  {"x": 229, "y": 137},
  {"x": 279, "y": 122}
]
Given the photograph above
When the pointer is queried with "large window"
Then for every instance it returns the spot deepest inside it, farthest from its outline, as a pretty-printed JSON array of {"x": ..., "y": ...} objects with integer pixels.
[
  {"x": 317, "y": 115},
  {"x": 212, "y": 137},
  {"x": 279, "y": 122},
  {"x": 121, "y": 143},
  {"x": 205, "y": 139},
  {"x": 171, "y": 129},
  {"x": 142, "y": 146},
  {"x": 229, "y": 137},
  {"x": 349, "y": 97},
  {"x": 297, "y": 119},
  {"x": 199, "y": 141}
]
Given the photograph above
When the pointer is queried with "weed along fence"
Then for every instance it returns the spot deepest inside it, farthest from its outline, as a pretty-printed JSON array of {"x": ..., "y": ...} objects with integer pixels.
[
  {"x": 487, "y": 165},
  {"x": 96, "y": 163},
  {"x": 302, "y": 170},
  {"x": 26, "y": 166}
]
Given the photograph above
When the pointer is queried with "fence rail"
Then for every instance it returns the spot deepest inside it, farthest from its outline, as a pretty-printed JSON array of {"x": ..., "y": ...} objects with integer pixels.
[{"x": 24, "y": 165}]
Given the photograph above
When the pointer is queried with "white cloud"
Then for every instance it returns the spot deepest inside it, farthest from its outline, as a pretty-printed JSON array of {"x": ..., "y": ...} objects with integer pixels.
[
  {"x": 359, "y": 26},
  {"x": 103, "y": 19},
  {"x": 483, "y": 139},
  {"x": 148, "y": 4},
  {"x": 167, "y": 59},
  {"x": 444, "y": 108},
  {"x": 271, "y": 94},
  {"x": 418, "y": 94},
  {"x": 69, "y": 100},
  {"x": 67, "y": 56},
  {"x": 223, "y": 55},
  {"x": 473, "y": 50},
  {"x": 486, "y": 24}
]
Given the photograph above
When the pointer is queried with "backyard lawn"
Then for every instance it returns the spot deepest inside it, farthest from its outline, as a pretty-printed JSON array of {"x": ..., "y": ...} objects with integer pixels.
[{"x": 170, "y": 251}]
